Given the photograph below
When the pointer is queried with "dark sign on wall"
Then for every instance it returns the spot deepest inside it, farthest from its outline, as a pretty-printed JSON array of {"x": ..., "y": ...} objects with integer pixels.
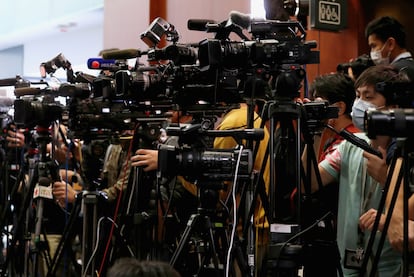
[{"x": 328, "y": 14}]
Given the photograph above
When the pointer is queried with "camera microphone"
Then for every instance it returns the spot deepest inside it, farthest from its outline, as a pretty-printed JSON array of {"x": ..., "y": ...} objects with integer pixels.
[
  {"x": 199, "y": 24},
  {"x": 254, "y": 134},
  {"x": 356, "y": 141},
  {"x": 124, "y": 54},
  {"x": 8, "y": 82},
  {"x": 104, "y": 64},
  {"x": 26, "y": 91}
]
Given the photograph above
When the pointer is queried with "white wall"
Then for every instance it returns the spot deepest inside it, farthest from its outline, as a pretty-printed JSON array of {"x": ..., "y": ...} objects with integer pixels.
[
  {"x": 125, "y": 20},
  {"x": 179, "y": 11},
  {"x": 77, "y": 47},
  {"x": 120, "y": 25}
]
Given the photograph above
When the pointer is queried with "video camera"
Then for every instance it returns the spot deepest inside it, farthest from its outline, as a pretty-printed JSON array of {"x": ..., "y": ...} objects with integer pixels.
[
  {"x": 29, "y": 113},
  {"x": 317, "y": 112},
  {"x": 393, "y": 122},
  {"x": 204, "y": 164},
  {"x": 358, "y": 65}
]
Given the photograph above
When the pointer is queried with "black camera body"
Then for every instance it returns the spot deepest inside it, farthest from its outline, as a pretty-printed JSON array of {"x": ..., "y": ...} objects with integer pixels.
[
  {"x": 317, "y": 112},
  {"x": 393, "y": 123},
  {"x": 31, "y": 112},
  {"x": 204, "y": 164}
]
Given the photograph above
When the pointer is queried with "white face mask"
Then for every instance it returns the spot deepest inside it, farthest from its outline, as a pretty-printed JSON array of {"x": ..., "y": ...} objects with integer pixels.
[
  {"x": 377, "y": 58},
  {"x": 358, "y": 112}
]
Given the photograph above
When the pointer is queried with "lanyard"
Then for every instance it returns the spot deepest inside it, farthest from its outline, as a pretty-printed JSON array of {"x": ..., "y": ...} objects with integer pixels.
[{"x": 365, "y": 200}]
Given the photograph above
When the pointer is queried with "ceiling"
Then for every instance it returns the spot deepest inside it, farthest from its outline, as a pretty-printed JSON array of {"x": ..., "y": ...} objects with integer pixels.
[{"x": 26, "y": 20}]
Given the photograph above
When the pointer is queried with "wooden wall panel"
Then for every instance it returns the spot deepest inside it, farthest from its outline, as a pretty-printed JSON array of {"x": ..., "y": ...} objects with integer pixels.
[{"x": 339, "y": 47}]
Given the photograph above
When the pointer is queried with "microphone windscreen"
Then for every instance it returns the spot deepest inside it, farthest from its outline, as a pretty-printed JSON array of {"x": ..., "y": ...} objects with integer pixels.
[
  {"x": 240, "y": 19},
  {"x": 44, "y": 181}
]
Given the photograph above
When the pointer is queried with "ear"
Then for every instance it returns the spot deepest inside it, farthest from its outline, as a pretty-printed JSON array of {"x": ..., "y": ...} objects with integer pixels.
[
  {"x": 392, "y": 43},
  {"x": 341, "y": 107}
]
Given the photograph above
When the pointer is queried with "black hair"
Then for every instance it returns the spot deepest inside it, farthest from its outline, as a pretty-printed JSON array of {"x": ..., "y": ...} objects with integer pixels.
[
  {"x": 334, "y": 87},
  {"x": 386, "y": 27},
  {"x": 381, "y": 73},
  {"x": 131, "y": 267}
]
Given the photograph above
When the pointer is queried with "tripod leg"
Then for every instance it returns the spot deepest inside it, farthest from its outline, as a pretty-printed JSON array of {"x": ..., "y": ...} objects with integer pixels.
[
  {"x": 184, "y": 238},
  {"x": 68, "y": 234},
  {"x": 213, "y": 247}
]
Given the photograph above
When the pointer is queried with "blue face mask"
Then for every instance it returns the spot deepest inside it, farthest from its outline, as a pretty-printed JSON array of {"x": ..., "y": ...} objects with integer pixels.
[{"x": 358, "y": 112}]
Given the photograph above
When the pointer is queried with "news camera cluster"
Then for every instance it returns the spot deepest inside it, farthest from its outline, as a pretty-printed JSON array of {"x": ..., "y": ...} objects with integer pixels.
[{"x": 204, "y": 79}]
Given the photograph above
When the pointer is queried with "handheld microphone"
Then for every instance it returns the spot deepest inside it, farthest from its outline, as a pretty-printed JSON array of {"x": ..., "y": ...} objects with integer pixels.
[
  {"x": 121, "y": 54},
  {"x": 42, "y": 190},
  {"x": 98, "y": 63}
]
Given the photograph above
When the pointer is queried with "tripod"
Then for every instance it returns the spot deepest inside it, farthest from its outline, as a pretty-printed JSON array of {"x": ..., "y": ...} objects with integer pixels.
[
  {"x": 402, "y": 151},
  {"x": 290, "y": 248},
  {"x": 41, "y": 174},
  {"x": 12, "y": 172},
  {"x": 85, "y": 209},
  {"x": 201, "y": 224}
]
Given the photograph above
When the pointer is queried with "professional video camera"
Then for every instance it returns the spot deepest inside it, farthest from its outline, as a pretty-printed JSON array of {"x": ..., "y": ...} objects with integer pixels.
[
  {"x": 54, "y": 64},
  {"x": 35, "y": 104},
  {"x": 196, "y": 161},
  {"x": 29, "y": 113},
  {"x": 204, "y": 164},
  {"x": 273, "y": 43},
  {"x": 6, "y": 118},
  {"x": 392, "y": 122},
  {"x": 275, "y": 47},
  {"x": 358, "y": 65}
]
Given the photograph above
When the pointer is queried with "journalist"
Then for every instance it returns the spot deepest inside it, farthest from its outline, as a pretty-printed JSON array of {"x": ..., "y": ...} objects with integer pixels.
[
  {"x": 53, "y": 217},
  {"x": 387, "y": 39},
  {"x": 358, "y": 191}
]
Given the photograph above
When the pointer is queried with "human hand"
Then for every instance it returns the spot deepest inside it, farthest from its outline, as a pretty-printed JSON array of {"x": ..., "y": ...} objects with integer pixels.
[
  {"x": 147, "y": 158},
  {"x": 15, "y": 138},
  {"x": 63, "y": 192},
  {"x": 366, "y": 221},
  {"x": 396, "y": 233},
  {"x": 62, "y": 153},
  {"x": 377, "y": 168}
]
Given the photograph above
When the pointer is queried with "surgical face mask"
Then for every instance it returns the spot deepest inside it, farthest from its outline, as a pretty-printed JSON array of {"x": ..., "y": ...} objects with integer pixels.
[
  {"x": 358, "y": 112},
  {"x": 377, "y": 58}
]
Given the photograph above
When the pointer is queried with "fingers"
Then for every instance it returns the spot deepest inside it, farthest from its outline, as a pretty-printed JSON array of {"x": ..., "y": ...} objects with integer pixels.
[
  {"x": 15, "y": 139},
  {"x": 63, "y": 193},
  {"x": 370, "y": 156},
  {"x": 366, "y": 221},
  {"x": 145, "y": 158}
]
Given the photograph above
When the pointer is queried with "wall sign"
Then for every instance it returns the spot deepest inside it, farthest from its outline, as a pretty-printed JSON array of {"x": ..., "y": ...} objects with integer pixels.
[{"x": 328, "y": 14}]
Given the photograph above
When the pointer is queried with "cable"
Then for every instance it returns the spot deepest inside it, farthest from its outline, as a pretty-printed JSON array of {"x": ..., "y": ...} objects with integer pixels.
[
  {"x": 97, "y": 243},
  {"x": 127, "y": 164},
  {"x": 233, "y": 231},
  {"x": 299, "y": 234}
]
